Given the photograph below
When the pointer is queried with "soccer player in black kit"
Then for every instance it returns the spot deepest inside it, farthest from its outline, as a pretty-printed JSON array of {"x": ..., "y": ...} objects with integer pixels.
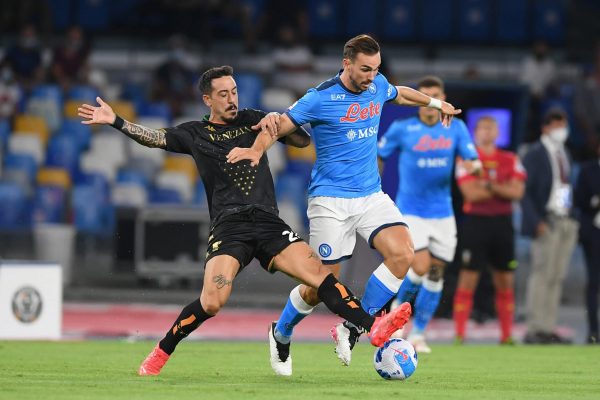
[{"x": 243, "y": 212}]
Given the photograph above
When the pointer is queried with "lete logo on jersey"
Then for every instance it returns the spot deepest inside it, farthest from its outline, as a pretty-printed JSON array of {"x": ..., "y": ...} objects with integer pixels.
[
  {"x": 427, "y": 143},
  {"x": 356, "y": 112}
]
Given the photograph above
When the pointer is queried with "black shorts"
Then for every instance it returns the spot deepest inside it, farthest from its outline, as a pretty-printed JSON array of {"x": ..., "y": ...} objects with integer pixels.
[
  {"x": 487, "y": 241},
  {"x": 250, "y": 234}
]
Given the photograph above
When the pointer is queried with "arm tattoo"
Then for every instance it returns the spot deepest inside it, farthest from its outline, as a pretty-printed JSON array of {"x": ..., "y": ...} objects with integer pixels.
[
  {"x": 145, "y": 136},
  {"x": 221, "y": 281}
]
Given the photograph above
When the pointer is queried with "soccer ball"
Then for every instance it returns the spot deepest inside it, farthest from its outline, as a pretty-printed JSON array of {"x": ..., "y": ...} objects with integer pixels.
[{"x": 397, "y": 359}]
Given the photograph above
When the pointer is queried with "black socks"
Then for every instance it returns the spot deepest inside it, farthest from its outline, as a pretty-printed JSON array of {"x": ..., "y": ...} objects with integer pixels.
[{"x": 190, "y": 318}]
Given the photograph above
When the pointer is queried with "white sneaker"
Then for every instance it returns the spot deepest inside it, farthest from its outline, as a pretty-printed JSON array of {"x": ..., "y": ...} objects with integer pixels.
[
  {"x": 419, "y": 343},
  {"x": 281, "y": 361},
  {"x": 345, "y": 337}
]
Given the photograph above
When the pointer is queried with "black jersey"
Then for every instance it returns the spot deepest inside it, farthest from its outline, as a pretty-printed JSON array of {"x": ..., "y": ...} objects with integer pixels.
[{"x": 230, "y": 188}]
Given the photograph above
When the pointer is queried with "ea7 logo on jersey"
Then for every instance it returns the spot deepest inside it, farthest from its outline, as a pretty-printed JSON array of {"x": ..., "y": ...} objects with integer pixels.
[
  {"x": 338, "y": 96},
  {"x": 292, "y": 236}
]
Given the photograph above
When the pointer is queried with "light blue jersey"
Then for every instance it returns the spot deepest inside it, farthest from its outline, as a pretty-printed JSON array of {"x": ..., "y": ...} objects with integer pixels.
[
  {"x": 426, "y": 160},
  {"x": 344, "y": 128}
]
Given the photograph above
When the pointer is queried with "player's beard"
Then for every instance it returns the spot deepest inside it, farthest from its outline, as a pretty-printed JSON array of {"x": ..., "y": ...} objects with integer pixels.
[
  {"x": 357, "y": 86},
  {"x": 228, "y": 119}
]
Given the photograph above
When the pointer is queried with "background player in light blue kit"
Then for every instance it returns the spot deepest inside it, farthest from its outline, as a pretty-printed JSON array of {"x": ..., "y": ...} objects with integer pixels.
[
  {"x": 428, "y": 150},
  {"x": 345, "y": 196}
]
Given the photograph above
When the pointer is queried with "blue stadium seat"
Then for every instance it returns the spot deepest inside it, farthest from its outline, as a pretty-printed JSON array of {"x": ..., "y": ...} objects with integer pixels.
[
  {"x": 91, "y": 212},
  {"x": 84, "y": 93},
  {"x": 129, "y": 175},
  {"x": 436, "y": 20},
  {"x": 4, "y": 132},
  {"x": 94, "y": 15},
  {"x": 156, "y": 109},
  {"x": 165, "y": 196},
  {"x": 299, "y": 168},
  {"x": 24, "y": 162},
  {"x": 512, "y": 20},
  {"x": 292, "y": 188},
  {"x": 365, "y": 23},
  {"x": 49, "y": 205},
  {"x": 136, "y": 94},
  {"x": 474, "y": 20},
  {"x": 63, "y": 152},
  {"x": 323, "y": 17},
  {"x": 14, "y": 212},
  {"x": 95, "y": 180},
  {"x": 200, "y": 195},
  {"x": 48, "y": 92},
  {"x": 399, "y": 19},
  {"x": 80, "y": 133},
  {"x": 549, "y": 20},
  {"x": 250, "y": 88}
]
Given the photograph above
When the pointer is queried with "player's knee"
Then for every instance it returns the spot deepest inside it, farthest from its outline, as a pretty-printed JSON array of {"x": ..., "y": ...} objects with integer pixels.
[
  {"x": 309, "y": 295},
  {"x": 400, "y": 257}
]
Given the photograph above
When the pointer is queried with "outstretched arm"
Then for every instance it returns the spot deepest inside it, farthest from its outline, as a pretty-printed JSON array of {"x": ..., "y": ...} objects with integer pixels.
[
  {"x": 104, "y": 115},
  {"x": 410, "y": 97}
]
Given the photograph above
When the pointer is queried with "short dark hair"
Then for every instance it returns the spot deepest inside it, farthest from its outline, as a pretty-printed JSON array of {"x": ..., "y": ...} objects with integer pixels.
[
  {"x": 360, "y": 44},
  {"x": 205, "y": 81},
  {"x": 430, "y": 81},
  {"x": 554, "y": 114}
]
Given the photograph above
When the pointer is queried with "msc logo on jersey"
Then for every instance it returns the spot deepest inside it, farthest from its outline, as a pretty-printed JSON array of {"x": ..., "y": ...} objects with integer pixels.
[
  {"x": 433, "y": 162},
  {"x": 372, "y": 88},
  {"x": 338, "y": 96},
  {"x": 325, "y": 250},
  {"x": 362, "y": 133}
]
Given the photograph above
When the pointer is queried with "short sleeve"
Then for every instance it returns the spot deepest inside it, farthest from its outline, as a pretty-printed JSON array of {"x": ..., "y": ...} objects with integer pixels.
[
  {"x": 390, "y": 141},
  {"x": 179, "y": 138},
  {"x": 466, "y": 149},
  {"x": 518, "y": 170},
  {"x": 305, "y": 110},
  {"x": 390, "y": 92},
  {"x": 461, "y": 173}
]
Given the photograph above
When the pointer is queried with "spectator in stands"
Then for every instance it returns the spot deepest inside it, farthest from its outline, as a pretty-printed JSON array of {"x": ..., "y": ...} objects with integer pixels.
[
  {"x": 587, "y": 200},
  {"x": 25, "y": 58},
  {"x": 9, "y": 93},
  {"x": 173, "y": 80},
  {"x": 70, "y": 60},
  {"x": 547, "y": 219},
  {"x": 538, "y": 71},
  {"x": 487, "y": 234},
  {"x": 586, "y": 103},
  {"x": 293, "y": 62}
]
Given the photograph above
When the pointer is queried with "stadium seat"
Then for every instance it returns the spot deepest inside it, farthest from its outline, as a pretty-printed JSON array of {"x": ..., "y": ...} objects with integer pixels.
[
  {"x": 14, "y": 212},
  {"x": 23, "y": 162},
  {"x": 47, "y": 109},
  {"x": 110, "y": 146},
  {"x": 4, "y": 133},
  {"x": 165, "y": 196},
  {"x": 129, "y": 194},
  {"x": 153, "y": 121},
  {"x": 183, "y": 164},
  {"x": 48, "y": 92},
  {"x": 323, "y": 18},
  {"x": 367, "y": 23},
  {"x": 178, "y": 181},
  {"x": 132, "y": 176},
  {"x": 34, "y": 124},
  {"x": 436, "y": 26},
  {"x": 50, "y": 204},
  {"x": 200, "y": 198},
  {"x": 70, "y": 108},
  {"x": 96, "y": 180},
  {"x": 277, "y": 160},
  {"x": 474, "y": 21},
  {"x": 76, "y": 131},
  {"x": 91, "y": 212},
  {"x": 124, "y": 109},
  {"x": 150, "y": 155},
  {"x": 93, "y": 15},
  {"x": 399, "y": 19},
  {"x": 307, "y": 153},
  {"x": 289, "y": 212},
  {"x": 83, "y": 93},
  {"x": 27, "y": 143},
  {"x": 144, "y": 167},
  {"x": 63, "y": 152},
  {"x": 512, "y": 20},
  {"x": 301, "y": 168},
  {"x": 277, "y": 99},
  {"x": 21, "y": 178},
  {"x": 292, "y": 188},
  {"x": 250, "y": 88},
  {"x": 135, "y": 94},
  {"x": 54, "y": 177},
  {"x": 157, "y": 109},
  {"x": 96, "y": 163},
  {"x": 549, "y": 20}
]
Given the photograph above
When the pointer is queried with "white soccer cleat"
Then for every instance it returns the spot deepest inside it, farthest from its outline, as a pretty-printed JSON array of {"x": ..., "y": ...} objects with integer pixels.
[
  {"x": 345, "y": 337},
  {"x": 419, "y": 343},
  {"x": 281, "y": 360}
]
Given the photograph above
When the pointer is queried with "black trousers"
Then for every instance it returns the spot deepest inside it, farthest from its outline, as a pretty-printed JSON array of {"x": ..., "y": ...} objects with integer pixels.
[{"x": 591, "y": 249}]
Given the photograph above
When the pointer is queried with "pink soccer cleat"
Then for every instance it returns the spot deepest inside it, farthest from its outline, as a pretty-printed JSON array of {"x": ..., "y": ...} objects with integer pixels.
[
  {"x": 389, "y": 323},
  {"x": 154, "y": 362}
]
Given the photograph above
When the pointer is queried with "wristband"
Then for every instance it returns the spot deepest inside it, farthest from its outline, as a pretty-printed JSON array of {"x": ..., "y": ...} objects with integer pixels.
[
  {"x": 119, "y": 122},
  {"x": 435, "y": 103}
]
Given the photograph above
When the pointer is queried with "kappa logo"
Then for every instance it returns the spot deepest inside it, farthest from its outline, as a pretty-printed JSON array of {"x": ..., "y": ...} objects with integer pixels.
[
  {"x": 338, "y": 96},
  {"x": 292, "y": 236}
]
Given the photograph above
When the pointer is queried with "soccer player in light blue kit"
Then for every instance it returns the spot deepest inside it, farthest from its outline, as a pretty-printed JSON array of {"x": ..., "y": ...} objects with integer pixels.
[
  {"x": 427, "y": 154},
  {"x": 345, "y": 196}
]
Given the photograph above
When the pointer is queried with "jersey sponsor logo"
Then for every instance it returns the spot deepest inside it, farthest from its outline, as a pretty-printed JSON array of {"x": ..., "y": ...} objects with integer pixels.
[
  {"x": 427, "y": 143},
  {"x": 292, "y": 236},
  {"x": 325, "y": 250},
  {"x": 338, "y": 96},
  {"x": 362, "y": 133},
  {"x": 356, "y": 112},
  {"x": 414, "y": 128},
  {"x": 433, "y": 162},
  {"x": 372, "y": 88},
  {"x": 230, "y": 134}
]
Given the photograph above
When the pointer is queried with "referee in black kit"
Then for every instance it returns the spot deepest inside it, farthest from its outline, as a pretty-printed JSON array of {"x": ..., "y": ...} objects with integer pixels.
[{"x": 243, "y": 212}]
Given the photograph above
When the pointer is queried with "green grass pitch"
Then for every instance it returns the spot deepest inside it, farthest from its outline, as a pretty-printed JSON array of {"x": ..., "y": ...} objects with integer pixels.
[{"x": 222, "y": 370}]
